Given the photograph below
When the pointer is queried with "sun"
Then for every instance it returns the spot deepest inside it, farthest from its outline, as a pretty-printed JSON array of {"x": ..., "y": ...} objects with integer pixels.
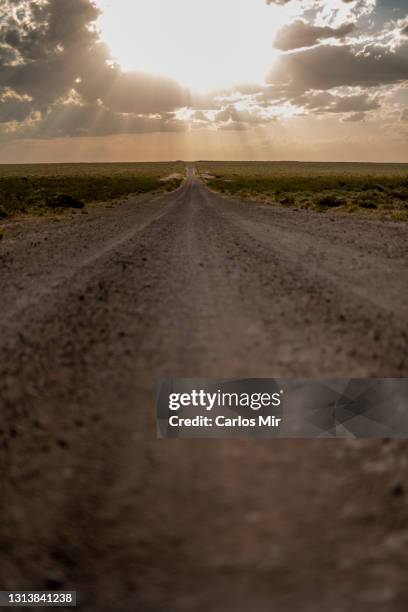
[{"x": 203, "y": 45}]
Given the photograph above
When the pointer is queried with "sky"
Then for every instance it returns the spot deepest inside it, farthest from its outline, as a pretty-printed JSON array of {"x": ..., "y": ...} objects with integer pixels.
[{"x": 135, "y": 80}]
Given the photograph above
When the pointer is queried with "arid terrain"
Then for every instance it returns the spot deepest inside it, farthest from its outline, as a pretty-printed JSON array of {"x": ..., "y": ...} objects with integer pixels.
[
  {"x": 97, "y": 307},
  {"x": 43, "y": 188},
  {"x": 377, "y": 191}
]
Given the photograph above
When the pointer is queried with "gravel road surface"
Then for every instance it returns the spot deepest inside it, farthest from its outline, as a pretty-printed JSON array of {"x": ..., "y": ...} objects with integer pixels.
[{"x": 96, "y": 308}]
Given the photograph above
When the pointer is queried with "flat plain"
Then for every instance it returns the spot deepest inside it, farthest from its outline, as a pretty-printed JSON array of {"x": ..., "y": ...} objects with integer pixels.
[
  {"x": 96, "y": 309},
  {"x": 377, "y": 190},
  {"x": 38, "y": 188}
]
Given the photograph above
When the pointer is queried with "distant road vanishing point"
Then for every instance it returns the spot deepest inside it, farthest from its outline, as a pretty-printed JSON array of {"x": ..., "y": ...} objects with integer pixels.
[{"x": 97, "y": 308}]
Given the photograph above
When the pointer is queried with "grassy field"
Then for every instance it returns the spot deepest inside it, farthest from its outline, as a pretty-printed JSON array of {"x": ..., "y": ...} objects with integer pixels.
[
  {"x": 40, "y": 188},
  {"x": 375, "y": 189}
]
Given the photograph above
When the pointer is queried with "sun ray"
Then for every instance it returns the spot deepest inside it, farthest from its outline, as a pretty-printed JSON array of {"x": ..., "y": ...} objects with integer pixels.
[{"x": 202, "y": 45}]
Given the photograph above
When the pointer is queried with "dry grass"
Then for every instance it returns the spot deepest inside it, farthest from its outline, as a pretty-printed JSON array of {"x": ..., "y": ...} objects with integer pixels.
[
  {"x": 38, "y": 188},
  {"x": 369, "y": 189}
]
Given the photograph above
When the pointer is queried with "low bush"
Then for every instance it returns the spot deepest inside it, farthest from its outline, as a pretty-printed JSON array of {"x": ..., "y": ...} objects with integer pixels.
[
  {"x": 71, "y": 186},
  {"x": 3, "y": 213},
  {"x": 64, "y": 200},
  {"x": 370, "y": 205},
  {"x": 352, "y": 187},
  {"x": 330, "y": 201}
]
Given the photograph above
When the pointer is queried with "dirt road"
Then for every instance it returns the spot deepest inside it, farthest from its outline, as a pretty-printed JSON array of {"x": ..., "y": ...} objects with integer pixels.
[{"x": 97, "y": 307}]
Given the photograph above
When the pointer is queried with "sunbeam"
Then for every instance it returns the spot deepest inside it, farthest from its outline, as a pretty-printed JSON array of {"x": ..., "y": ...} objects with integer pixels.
[{"x": 202, "y": 45}]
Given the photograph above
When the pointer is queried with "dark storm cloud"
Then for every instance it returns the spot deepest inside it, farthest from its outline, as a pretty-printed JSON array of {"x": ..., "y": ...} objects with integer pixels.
[
  {"x": 13, "y": 108},
  {"x": 328, "y": 66},
  {"x": 301, "y": 34},
  {"x": 389, "y": 9},
  {"x": 50, "y": 52},
  {"x": 36, "y": 29},
  {"x": 354, "y": 103},
  {"x": 323, "y": 76},
  {"x": 58, "y": 79},
  {"x": 133, "y": 91},
  {"x": 45, "y": 44},
  {"x": 74, "y": 120}
]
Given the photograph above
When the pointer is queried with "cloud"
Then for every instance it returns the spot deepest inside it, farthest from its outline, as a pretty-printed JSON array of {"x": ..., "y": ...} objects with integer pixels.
[
  {"x": 57, "y": 78},
  {"x": 301, "y": 34},
  {"x": 354, "y": 103},
  {"x": 199, "y": 115},
  {"x": 231, "y": 115},
  {"x": 74, "y": 120},
  {"x": 329, "y": 66},
  {"x": 89, "y": 120},
  {"x": 357, "y": 7},
  {"x": 51, "y": 54},
  {"x": 355, "y": 118},
  {"x": 311, "y": 2},
  {"x": 324, "y": 102},
  {"x": 47, "y": 43},
  {"x": 14, "y": 108},
  {"x": 234, "y": 126},
  {"x": 404, "y": 115},
  {"x": 133, "y": 91}
]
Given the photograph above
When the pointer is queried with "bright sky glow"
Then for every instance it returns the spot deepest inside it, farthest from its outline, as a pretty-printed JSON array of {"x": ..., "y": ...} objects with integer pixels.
[{"x": 203, "y": 45}]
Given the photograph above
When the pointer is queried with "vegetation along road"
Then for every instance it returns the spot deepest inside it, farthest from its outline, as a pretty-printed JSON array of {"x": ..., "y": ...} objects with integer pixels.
[{"x": 96, "y": 308}]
